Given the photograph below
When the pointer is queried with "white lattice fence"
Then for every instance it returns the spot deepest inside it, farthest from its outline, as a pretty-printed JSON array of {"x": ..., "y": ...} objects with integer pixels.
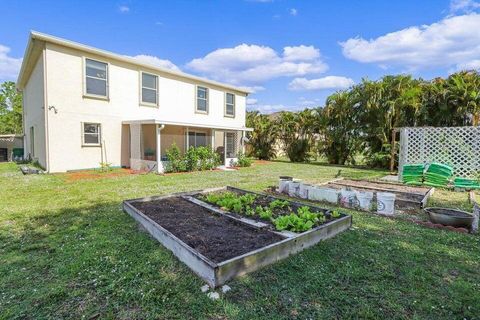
[{"x": 458, "y": 147}]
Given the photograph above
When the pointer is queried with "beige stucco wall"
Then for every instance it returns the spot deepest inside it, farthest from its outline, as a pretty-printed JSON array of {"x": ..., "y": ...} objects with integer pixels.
[
  {"x": 65, "y": 92},
  {"x": 34, "y": 114}
]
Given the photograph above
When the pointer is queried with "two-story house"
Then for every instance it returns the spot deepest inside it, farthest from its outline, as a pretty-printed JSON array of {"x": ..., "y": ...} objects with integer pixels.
[{"x": 84, "y": 106}]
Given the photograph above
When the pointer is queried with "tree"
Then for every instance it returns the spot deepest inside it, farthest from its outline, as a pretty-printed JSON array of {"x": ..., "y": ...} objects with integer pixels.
[
  {"x": 340, "y": 127},
  {"x": 297, "y": 133},
  {"x": 263, "y": 139},
  {"x": 10, "y": 109}
]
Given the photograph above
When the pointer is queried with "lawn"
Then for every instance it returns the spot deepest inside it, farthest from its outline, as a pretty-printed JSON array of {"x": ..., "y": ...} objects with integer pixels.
[{"x": 67, "y": 250}]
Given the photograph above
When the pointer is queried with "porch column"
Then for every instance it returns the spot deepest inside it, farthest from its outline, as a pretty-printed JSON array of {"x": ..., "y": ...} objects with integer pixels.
[
  {"x": 135, "y": 148},
  {"x": 212, "y": 138},
  {"x": 225, "y": 149},
  {"x": 158, "y": 137},
  {"x": 242, "y": 142}
]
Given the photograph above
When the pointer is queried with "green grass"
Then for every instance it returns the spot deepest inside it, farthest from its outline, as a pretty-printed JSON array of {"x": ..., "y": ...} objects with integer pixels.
[{"x": 67, "y": 250}]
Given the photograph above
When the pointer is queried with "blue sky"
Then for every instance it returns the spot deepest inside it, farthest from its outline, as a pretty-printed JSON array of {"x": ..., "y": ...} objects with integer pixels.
[{"x": 293, "y": 54}]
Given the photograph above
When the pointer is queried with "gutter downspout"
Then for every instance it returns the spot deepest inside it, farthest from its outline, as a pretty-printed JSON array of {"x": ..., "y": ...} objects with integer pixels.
[
  {"x": 159, "y": 127},
  {"x": 45, "y": 105}
]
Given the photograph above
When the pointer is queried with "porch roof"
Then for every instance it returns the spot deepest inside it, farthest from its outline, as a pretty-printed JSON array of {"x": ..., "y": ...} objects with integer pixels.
[
  {"x": 9, "y": 137},
  {"x": 185, "y": 124}
]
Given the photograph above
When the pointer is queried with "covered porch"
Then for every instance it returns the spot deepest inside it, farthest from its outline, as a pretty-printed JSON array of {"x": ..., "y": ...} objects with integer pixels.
[{"x": 145, "y": 142}]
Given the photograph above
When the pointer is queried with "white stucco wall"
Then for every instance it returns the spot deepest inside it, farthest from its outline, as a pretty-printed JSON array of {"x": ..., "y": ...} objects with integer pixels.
[
  {"x": 65, "y": 92},
  {"x": 34, "y": 113}
]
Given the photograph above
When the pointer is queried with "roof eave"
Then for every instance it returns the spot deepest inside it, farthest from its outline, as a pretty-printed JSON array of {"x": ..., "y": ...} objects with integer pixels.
[{"x": 67, "y": 43}]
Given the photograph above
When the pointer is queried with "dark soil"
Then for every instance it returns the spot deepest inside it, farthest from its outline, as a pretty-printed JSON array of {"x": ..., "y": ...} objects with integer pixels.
[{"x": 217, "y": 237}]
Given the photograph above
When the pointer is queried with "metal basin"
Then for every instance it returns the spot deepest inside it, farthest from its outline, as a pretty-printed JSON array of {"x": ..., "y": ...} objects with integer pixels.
[{"x": 450, "y": 217}]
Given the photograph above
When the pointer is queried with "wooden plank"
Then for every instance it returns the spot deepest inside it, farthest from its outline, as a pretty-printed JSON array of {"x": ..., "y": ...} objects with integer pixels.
[
  {"x": 259, "y": 258},
  {"x": 427, "y": 196},
  {"x": 346, "y": 184}
]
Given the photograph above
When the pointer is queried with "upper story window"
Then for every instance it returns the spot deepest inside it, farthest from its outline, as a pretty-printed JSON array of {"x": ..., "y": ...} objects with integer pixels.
[
  {"x": 96, "y": 78},
  {"x": 202, "y": 99},
  {"x": 229, "y": 105},
  {"x": 91, "y": 134},
  {"x": 149, "y": 89}
]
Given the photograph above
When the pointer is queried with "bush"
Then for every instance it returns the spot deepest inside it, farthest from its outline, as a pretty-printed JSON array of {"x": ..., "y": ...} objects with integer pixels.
[
  {"x": 263, "y": 138},
  {"x": 380, "y": 159},
  {"x": 243, "y": 160},
  {"x": 176, "y": 162},
  {"x": 207, "y": 158},
  {"x": 299, "y": 150},
  {"x": 201, "y": 158},
  {"x": 191, "y": 159}
]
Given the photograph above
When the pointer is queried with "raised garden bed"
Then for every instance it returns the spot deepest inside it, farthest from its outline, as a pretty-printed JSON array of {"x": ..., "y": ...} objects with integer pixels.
[
  {"x": 268, "y": 211},
  {"x": 407, "y": 197},
  {"x": 218, "y": 245}
]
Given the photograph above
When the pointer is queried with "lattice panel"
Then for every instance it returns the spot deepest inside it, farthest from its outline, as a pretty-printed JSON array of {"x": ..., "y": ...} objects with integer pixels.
[{"x": 458, "y": 147}]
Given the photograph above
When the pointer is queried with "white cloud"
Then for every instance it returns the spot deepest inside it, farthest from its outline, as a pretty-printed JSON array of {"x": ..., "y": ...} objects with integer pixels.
[
  {"x": 293, "y": 12},
  {"x": 9, "y": 67},
  {"x": 252, "y": 101},
  {"x": 470, "y": 65},
  {"x": 270, "y": 108},
  {"x": 162, "y": 63},
  {"x": 463, "y": 5},
  {"x": 299, "y": 53},
  {"x": 329, "y": 82},
  {"x": 252, "y": 64},
  {"x": 253, "y": 89},
  {"x": 449, "y": 42},
  {"x": 123, "y": 9},
  {"x": 308, "y": 102}
]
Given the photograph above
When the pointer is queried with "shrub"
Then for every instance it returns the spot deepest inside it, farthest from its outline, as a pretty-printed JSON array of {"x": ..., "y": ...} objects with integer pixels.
[
  {"x": 243, "y": 160},
  {"x": 200, "y": 158},
  {"x": 191, "y": 159},
  {"x": 176, "y": 162},
  {"x": 207, "y": 158},
  {"x": 299, "y": 150}
]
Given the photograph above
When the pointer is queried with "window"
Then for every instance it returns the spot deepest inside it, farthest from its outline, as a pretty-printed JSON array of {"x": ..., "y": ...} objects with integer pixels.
[
  {"x": 230, "y": 145},
  {"x": 91, "y": 134},
  {"x": 149, "y": 88},
  {"x": 202, "y": 99},
  {"x": 230, "y": 105},
  {"x": 96, "y": 78},
  {"x": 197, "y": 139}
]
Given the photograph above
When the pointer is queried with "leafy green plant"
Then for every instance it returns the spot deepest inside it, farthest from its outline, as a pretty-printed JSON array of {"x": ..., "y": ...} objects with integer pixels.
[
  {"x": 278, "y": 204},
  {"x": 200, "y": 158},
  {"x": 264, "y": 212},
  {"x": 243, "y": 161},
  {"x": 335, "y": 214},
  {"x": 301, "y": 221},
  {"x": 176, "y": 162},
  {"x": 191, "y": 159},
  {"x": 105, "y": 166},
  {"x": 230, "y": 201},
  {"x": 292, "y": 222}
]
